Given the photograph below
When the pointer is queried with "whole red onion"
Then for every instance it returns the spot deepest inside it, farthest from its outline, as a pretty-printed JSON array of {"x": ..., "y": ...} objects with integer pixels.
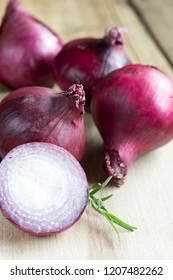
[
  {"x": 87, "y": 60},
  {"x": 38, "y": 114},
  {"x": 133, "y": 110},
  {"x": 27, "y": 49},
  {"x": 43, "y": 188}
]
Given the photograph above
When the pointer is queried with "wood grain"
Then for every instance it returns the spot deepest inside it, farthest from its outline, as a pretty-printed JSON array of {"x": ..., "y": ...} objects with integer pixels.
[
  {"x": 146, "y": 198},
  {"x": 157, "y": 17}
]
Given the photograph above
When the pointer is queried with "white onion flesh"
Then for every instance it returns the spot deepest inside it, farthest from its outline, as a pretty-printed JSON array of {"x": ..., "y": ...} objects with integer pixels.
[{"x": 43, "y": 188}]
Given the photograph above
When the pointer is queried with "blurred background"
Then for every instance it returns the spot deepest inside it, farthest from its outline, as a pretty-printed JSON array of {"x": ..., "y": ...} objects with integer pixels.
[{"x": 149, "y": 23}]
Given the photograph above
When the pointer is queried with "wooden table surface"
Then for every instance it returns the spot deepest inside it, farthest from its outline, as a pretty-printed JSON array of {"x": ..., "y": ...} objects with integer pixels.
[{"x": 146, "y": 198}]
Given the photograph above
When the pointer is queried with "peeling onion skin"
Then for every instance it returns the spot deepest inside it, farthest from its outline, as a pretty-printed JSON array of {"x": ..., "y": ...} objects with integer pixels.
[
  {"x": 38, "y": 114},
  {"x": 27, "y": 49},
  {"x": 33, "y": 201},
  {"x": 88, "y": 60},
  {"x": 133, "y": 110}
]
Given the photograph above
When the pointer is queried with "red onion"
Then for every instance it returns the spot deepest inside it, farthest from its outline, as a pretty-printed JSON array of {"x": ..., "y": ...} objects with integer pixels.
[
  {"x": 87, "y": 60},
  {"x": 38, "y": 114},
  {"x": 133, "y": 110},
  {"x": 43, "y": 188},
  {"x": 27, "y": 49}
]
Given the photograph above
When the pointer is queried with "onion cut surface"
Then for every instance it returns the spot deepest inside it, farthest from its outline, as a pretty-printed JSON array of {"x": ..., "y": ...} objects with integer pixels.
[{"x": 43, "y": 188}]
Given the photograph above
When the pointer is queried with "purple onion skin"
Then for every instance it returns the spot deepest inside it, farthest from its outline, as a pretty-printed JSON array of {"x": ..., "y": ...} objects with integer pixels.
[
  {"x": 133, "y": 110},
  {"x": 38, "y": 114},
  {"x": 27, "y": 49},
  {"x": 88, "y": 60}
]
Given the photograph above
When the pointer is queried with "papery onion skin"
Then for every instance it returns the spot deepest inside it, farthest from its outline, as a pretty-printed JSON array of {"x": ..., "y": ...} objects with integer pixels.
[
  {"x": 39, "y": 220},
  {"x": 133, "y": 110},
  {"x": 38, "y": 114},
  {"x": 87, "y": 60},
  {"x": 27, "y": 49}
]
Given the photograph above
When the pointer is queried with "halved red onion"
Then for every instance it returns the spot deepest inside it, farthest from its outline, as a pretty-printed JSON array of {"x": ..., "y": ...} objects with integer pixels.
[{"x": 43, "y": 188}]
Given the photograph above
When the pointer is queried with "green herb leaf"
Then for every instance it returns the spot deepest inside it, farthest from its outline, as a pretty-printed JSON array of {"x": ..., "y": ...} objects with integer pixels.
[{"x": 97, "y": 204}]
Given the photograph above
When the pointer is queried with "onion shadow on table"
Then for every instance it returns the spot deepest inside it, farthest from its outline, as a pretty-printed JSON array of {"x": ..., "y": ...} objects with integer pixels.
[
  {"x": 4, "y": 90},
  {"x": 92, "y": 160},
  {"x": 92, "y": 164}
]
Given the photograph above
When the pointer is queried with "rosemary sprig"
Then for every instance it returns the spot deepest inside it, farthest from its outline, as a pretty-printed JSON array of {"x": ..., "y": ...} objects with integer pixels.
[{"x": 97, "y": 204}]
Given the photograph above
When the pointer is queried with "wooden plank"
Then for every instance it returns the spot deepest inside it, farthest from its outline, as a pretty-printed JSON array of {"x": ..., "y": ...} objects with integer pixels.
[
  {"x": 157, "y": 16},
  {"x": 146, "y": 198},
  {"x": 140, "y": 43}
]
